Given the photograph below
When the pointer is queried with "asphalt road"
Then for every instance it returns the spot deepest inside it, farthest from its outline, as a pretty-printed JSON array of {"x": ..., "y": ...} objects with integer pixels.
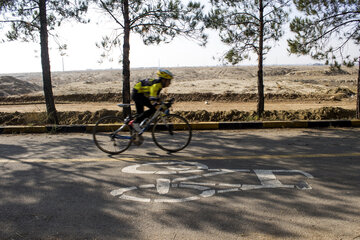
[{"x": 248, "y": 184}]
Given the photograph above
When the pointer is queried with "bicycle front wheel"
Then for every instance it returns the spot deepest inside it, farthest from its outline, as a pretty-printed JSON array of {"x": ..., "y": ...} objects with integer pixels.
[
  {"x": 171, "y": 133},
  {"x": 107, "y": 136}
]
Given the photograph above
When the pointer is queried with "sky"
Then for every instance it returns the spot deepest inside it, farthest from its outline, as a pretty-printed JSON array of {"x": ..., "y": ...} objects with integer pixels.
[{"x": 82, "y": 53}]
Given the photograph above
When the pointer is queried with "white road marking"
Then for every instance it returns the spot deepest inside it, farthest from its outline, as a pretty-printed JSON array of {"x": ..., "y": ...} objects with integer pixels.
[
  {"x": 229, "y": 185},
  {"x": 201, "y": 184},
  {"x": 266, "y": 178},
  {"x": 228, "y": 190},
  {"x": 121, "y": 191},
  {"x": 246, "y": 187},
  {"x": 136, "y": 199},
  {"x": 197, "y": 187},
  {"x": 147, "y": 186},
  {"x": 134, "y": 168},
  {"x": 162, "y": 185},
  {"x": 186, "y": 178},
  {"x": 207, "y": 193},
  {"x": 176, "y": 200}
]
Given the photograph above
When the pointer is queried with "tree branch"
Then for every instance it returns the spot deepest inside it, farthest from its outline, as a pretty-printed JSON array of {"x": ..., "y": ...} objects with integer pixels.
[
  {"x": 111, "y": 14},
  {"x": 157, "y": 25},
  {"x": 343, "y": 44},
  {"x": 331, "y": 30},
  {"x": 283, "y": 5},
  {"x": 242, "y": 13},
  {"x": 150, "y": 13},
  {"x": 336, "y": 15},
  {"x": 20, "y": 21},
  {"x": 272, "y": 21}
]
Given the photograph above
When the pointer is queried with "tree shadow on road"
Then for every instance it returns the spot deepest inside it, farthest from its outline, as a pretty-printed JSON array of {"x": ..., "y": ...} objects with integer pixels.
[
  {"x": 60, "y": 201},
  {"x": 71, "y": 200},
  {"x": 330, "y": 155}
]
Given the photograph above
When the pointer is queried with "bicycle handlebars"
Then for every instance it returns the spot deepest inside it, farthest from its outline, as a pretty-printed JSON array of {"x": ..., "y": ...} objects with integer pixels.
[{"x": 166, "y": 104}]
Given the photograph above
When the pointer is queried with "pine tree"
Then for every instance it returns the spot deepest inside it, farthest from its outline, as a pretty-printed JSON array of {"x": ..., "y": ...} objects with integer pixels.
[
  {"x": 32, "y": 21},
  {"x": 325, "y": 30},
  {"x": 249, "y": 27},
  {"x": 155, "y": 21}
]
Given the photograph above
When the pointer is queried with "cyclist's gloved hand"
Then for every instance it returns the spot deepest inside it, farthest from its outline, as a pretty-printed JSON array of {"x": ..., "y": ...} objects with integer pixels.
[
  {"x": 156, "y": 105},
  {"x": 154, "y": 101},
  {"x": 168, "y": 105}
]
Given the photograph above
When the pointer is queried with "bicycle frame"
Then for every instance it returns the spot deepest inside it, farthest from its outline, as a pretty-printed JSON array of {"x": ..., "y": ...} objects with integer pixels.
[
  {"x": 161, "y": 122},
  {"x": 160, "y": 112}
]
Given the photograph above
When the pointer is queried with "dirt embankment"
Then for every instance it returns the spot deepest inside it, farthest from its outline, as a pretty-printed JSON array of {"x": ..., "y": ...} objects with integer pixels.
[
  {"x": 39, "y": 118},
  {"x": 117, "y": 97},
  {"x": 203, "y": 86},
  {"x": 10, "y": 86},
  {"x": 333, "y": 94},
  {"x": 87, "y": 117}
]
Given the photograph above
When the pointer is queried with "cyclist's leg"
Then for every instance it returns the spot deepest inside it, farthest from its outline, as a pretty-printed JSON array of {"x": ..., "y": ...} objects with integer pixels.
[
  {"x": 151, "y": 109},
  {"x": 145, "y": 102},
  {"x": 139, "y": 102}
]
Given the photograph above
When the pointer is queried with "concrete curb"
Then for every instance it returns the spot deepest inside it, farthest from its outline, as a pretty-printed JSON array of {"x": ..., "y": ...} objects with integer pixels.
[{"x": 195, "y": 126}]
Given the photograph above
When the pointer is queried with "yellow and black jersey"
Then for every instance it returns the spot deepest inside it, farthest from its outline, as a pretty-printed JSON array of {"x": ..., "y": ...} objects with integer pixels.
[{"x": 149, "y": 87}]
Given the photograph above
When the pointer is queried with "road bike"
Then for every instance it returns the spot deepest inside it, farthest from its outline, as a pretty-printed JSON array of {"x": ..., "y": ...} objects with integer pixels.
[{"x": 170, "y": 132}]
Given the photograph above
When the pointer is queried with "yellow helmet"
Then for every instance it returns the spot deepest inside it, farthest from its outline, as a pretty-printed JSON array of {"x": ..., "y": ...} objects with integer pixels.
[{"x": 162, "y": 73}]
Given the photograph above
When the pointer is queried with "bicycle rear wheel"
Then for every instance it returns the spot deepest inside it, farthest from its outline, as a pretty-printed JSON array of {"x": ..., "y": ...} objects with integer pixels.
[
  {"x": 171, "y": 133},
  {"x": 108, "y": 139}
]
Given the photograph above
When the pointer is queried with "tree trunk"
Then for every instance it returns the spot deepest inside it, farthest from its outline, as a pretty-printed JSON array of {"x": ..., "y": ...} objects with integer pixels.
[
  {"x": 45, "y": 62},
  {"x": 260, "y": 104},
  {"x": 358, "y": 95},
  {"x": 126, "y": 59}
]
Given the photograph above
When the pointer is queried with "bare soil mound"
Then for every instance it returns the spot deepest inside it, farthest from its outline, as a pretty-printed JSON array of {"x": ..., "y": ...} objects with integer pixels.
[
  {"x": 36, "y": 118},
  {"x": 198, "y": 85},
  {"x": 334, "y": 94},
  {"x": 217, "y": 80},
  {"x": 12, "y": 86}
]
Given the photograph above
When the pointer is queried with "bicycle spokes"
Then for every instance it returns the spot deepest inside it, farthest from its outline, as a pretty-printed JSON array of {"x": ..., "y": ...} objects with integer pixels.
[
  {"x": 111, "y": 135},
  {"x": 172, "y": 133}
]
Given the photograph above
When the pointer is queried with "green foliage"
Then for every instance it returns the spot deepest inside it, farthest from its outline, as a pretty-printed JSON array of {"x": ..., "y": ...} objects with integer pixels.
[
  {"x": 239, "y": 21},
  {"x": 32, "y": 21},
  {"x": 335, "y": 67},
  {"x": 155, "y": 21},
  {"x": 24, "y": 19},
  {"x": 324, "y": 22}
]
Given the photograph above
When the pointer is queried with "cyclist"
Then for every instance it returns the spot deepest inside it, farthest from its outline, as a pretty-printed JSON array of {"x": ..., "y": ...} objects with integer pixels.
[{"x": 147, "y": 91}]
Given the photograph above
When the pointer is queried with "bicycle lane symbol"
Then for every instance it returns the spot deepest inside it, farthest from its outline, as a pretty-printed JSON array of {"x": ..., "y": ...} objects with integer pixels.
[{"x": 162, "y": 186}]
